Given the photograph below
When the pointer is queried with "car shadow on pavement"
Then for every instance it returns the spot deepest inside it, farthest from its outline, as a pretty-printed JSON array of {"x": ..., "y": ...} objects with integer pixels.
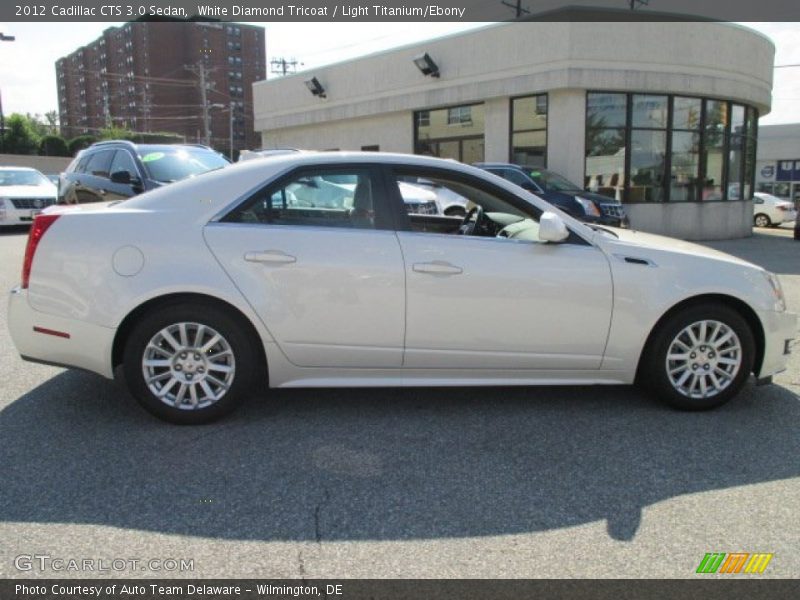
[{"x": 381, "y": 464}]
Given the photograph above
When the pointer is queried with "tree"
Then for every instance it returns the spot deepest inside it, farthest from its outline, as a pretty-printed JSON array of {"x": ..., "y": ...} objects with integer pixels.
[
  {"x": 20, "y": 136},
  {"x": 51, "y": 119},
  {"x": 53, "y": 145},
  {"x": 77, "y": 144},
  {"x": 116, "y": 133}
]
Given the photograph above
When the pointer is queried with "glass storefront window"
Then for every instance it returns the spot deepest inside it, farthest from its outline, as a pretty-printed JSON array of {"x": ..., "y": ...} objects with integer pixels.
[
  {"x": 529, "y": 113},
  {"x": 687, "y": 113},
  {"x": 456, "y": 132},
  {"x": 529, "y": 131},
  {"x": 648, "y": 153},
  {"x": 735, "y": 167},
  {"x": 606, "y": 110},
  {"x": 713, "y": 159},
  {"x": 529, "y": 148},
  {"x": 685, "y": 166},
  {"x": 737, "y": 120},
  {"x": 678, "y": 148},
  {"x": 649, "y": 112},
  {"x": 605, "y": 162}
]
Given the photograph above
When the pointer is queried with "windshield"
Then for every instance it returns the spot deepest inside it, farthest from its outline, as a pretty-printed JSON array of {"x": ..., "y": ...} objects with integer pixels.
[
  {"x": 22, "y": 177},
  {"x": 552, "y": 182},
  {"x": 168, "y": 165}
]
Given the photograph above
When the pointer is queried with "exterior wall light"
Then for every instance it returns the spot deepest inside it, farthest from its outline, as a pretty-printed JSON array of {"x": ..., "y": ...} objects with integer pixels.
[
  {"x": 426, "y": 65},
  {"x": 315, "y": 87}
]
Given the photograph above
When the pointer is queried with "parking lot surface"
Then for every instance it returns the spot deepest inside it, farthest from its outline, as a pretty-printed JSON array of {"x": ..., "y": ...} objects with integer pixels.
[{"x": 495, "y": 482}]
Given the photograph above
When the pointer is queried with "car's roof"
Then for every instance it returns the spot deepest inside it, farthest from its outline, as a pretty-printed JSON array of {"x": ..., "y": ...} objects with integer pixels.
[
  {"x": 147, "y": 146},
  {"x": 248, "y": 175}
]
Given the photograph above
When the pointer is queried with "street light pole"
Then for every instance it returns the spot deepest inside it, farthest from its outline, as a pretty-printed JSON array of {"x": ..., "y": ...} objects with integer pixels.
[
  {"x": 230, "y": 109},
  {"x": 3, "y": 38}
]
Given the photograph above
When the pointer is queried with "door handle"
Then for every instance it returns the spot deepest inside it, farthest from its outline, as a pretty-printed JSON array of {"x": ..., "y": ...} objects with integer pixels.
[
  {"x": 275, "y": 257},
  {"x": 437, "y": 267}
]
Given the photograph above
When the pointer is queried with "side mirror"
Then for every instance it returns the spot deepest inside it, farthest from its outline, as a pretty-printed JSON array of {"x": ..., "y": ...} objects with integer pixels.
[
  {"x": 123, "y": 177},
  {"x": 552, "y": 228}
]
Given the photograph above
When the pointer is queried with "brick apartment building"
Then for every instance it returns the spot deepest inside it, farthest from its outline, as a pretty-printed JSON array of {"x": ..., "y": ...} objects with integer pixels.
[{"x": 147, "y": 76}]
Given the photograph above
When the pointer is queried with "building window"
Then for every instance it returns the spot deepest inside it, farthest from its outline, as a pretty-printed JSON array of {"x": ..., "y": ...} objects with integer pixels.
[
  {"x": 606, "y": 116},
  {"x": 435, "y": 135},
  {"x": 529, "y": 131},
  {"x": 459, "y": 115},
  {"x": 659, "y": 148}
]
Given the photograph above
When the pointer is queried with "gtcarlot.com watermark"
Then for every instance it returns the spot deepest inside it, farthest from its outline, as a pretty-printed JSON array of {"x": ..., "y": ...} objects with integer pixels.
[{"x": 60, "y": 564}]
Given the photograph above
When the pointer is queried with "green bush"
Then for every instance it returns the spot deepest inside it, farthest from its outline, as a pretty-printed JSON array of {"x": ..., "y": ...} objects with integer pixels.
[
  {"x": 77, "y": 144},
  {"x": 53, "y": 145}
]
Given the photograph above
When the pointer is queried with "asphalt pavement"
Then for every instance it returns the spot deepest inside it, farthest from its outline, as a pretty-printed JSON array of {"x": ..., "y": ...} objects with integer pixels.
[{"x": 482, "y": 483}]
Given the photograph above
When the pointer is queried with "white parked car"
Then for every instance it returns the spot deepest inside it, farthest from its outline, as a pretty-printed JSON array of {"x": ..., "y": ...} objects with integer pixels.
[
  {"x": 203, "y": 289},
  {"x": 24, "y": 192},
  {"x": 771, "y": 211}
]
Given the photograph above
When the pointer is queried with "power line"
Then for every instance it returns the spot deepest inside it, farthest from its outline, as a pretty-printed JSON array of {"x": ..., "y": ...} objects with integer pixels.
[{"x": 281, "y": 66}]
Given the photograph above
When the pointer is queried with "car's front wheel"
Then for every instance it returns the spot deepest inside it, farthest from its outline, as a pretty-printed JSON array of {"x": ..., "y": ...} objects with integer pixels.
[
  {"x": 700, "y": 357},
  {"x": 189, "y": 363}
]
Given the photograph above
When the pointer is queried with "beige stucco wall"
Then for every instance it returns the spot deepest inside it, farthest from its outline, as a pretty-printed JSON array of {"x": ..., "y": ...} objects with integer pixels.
[
  {"x": 714, "y": 59},
  {"x": 371, "y": 100}
]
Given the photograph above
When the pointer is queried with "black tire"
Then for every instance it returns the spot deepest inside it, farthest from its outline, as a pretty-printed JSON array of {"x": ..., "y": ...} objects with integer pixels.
[
  {"x": 763, "y": 219},
  {"x": 654, "y": 372},
  {"x": 232, "y": 332}
]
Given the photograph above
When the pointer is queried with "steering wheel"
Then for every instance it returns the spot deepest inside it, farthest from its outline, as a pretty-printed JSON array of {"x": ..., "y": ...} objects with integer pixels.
[{"x": 469, "y": 225}]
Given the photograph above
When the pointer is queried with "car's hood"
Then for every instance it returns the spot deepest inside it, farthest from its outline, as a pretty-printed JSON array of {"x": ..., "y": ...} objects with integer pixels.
[
  {"x": 28, "y": 191},
  {"x": 639, "y": 239}
]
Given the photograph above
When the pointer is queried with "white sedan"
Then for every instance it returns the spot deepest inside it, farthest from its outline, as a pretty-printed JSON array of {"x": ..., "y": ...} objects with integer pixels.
[
  {"x": 202, "y": 290},
  {"x": 24, "y": 192},
  {"x": 771, "y": 211}
]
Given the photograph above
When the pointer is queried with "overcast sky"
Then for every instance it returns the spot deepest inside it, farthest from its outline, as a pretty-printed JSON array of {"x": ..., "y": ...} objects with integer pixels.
[{"x": 27, "y": 66}]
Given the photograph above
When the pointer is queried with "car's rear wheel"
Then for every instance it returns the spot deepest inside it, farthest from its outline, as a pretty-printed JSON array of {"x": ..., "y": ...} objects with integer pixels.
[
  {"x": 700, "y": 357},
  {"x": 762, "y": 220},
  {"x": 189, "y": 363}
]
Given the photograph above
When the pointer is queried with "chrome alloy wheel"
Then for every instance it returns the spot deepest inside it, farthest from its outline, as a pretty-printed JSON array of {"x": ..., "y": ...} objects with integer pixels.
[
  {"x": 188, "y": 366},
  {"x": 704, "y": 359}
]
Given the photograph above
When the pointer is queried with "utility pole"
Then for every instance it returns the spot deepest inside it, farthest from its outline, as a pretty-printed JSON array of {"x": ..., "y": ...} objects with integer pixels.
[
  {"x": 146, "y": 107},
  {"x": 518, "y": 8},
  {"x": 202, "y": 73},
  {"x": 230, "y": 110},
  {"x": 106, "y": 110},
  {"x": 281, "y": 66},
  {"x": 3, "y": 38}
]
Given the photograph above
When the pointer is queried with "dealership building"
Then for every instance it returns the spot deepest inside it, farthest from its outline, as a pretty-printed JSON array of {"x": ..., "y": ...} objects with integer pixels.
[
  {"x": 778, "y": 161},
  {"x": 660, "y": 115}
]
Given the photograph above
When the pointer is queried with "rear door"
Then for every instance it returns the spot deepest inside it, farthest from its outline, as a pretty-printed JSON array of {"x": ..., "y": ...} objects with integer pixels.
[
  {"x": 93, "y": 184},
  {"x": 316, "y": 256}
]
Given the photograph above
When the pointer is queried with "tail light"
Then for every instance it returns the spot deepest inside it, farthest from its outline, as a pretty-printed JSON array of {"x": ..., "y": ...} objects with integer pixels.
[{"x": 41, "y": 223}]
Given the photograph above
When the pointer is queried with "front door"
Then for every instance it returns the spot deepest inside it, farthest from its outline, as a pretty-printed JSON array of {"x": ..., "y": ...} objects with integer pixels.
[{"x": 486, "y": 293}]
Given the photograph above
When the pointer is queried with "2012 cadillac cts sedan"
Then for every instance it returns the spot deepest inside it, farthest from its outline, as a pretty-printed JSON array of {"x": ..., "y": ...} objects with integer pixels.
[{"x": 308, "y": 270}]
